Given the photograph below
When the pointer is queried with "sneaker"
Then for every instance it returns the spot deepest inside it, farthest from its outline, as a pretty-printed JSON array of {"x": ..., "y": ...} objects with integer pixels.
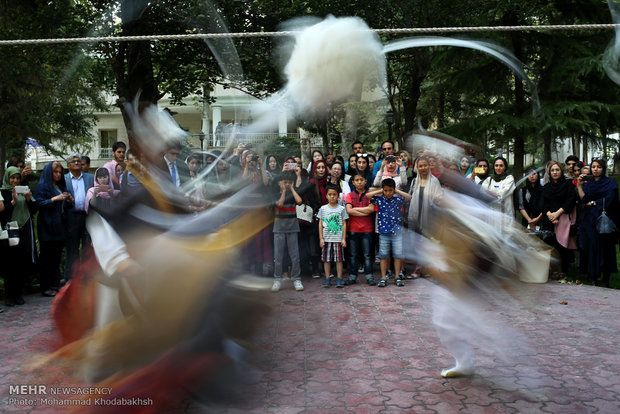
[
  {"x": 276, "y": 286},
  {"x": 389, "y": 275},
  {"x": 377, "y": 260},
  {"x": 331, "y": 276},
  {"x": 399, "y": 282},
  {"x": 327, "y": 283},
  {"x": 339, "y": 283},
  {"x": 360, "y": 269},
  {"x": 285, "y": 276},
  {"x": 382, "y": 282},
  {"x": 401, "y": 275},
  {"x": 298, "y": 285},
  {"x": 350, "y": 281},
  {"x": 371, "y": 282},
  {"x": 316, "y": 276}
]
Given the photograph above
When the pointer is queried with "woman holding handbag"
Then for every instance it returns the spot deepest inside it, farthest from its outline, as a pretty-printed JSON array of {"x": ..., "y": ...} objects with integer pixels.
[
  {"x": 599, "y": 196},
  {"x": 18, "y": 208},
  {"x": 559, "y": 212}
]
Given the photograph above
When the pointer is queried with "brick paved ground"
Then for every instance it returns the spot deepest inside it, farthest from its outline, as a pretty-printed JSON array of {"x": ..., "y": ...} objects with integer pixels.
[{"x": 367, "y": 350}]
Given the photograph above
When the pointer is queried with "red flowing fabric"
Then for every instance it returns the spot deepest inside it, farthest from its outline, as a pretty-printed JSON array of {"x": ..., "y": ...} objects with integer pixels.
[{"x": 73, "y": 307}]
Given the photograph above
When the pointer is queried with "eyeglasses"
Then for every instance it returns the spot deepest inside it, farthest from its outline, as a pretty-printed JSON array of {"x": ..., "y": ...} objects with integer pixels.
[
  {"x": 75, "y": 162},
  {"x": 364, "y": 155},
  {"x": 386, "y": 149}
]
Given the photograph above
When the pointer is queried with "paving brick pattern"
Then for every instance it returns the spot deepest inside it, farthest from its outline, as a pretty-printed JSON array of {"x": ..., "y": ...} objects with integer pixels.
[{"x": 370, "y": 350}]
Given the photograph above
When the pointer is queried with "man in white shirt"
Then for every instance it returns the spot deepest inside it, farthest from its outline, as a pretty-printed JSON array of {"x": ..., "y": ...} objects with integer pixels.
[{"x": 78, "y": 184}]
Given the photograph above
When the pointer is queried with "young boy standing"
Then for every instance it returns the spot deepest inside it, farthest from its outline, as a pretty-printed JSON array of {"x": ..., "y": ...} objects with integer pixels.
[
  {"x": 285, "y": 231},
  {"x": 360, "y": 209},
  {"x": 332, "y": 234},
  {"x": 389, "y": 221}
]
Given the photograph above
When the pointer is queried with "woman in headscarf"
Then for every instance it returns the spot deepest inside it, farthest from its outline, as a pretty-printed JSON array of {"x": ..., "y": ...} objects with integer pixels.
[
  {"x": 406, "y": 159},
  {"x": 335, "y": 178},
  {"x": 530, "y": 199},
  {"x": 18, "y": 207},
  {"x": 195, "y": 187},
  {"x": 100, "y": 195},
  {"x": 52, "y": 200},
  {"x": 501, "y": 185},
  {"x": 479, "y": 177},
  {"x": 362, "y": 166},
  {"x": 272, "y": 166},
  {"x": 320, "y": 172},
  {"x": 316, "y": 156},
  {"x": 598, "y": 251},
  {"x": 425, "y": 191},
  {"x": 390, "y": 166},
  {"x": 465, "y": 166},
  {"x": 559, "y": 212},
  {"x": 257, "y": 252}
]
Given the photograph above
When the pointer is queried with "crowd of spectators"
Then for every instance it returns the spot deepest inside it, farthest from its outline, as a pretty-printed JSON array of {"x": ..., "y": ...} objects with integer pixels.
[{"x": 328, "y": 211}]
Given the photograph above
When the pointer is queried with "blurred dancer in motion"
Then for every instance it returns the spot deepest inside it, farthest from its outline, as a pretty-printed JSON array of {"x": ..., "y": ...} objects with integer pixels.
[
  {"x": 476, "y": 266},
  {"x": 165, "y": 305}
]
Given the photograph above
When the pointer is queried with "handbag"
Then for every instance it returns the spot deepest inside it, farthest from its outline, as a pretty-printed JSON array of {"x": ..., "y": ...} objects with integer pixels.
[
  {"x": 574, "y": 227},
  {"x": 605, "y": 225},
  {"x": 13, "y": 232},
  {"x": 304, "y": 213}
]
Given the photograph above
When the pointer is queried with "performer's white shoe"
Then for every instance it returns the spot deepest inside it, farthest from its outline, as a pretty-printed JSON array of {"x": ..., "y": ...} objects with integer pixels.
[{"x": 457, "y": 372}]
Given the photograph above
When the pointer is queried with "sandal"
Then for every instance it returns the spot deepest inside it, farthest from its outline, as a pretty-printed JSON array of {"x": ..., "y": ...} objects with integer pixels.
[{"x": 382, "y": 283}]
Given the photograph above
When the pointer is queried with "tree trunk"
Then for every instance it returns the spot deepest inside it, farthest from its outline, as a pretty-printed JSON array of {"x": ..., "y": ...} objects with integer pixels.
[
  {"x": 441, "y": 109},
  {"x": 575, "y": 143},
  {"x": 133, "y": 65},
  {"x": 547, "y": 139},
  {"x": 3, "y": 154},
  {"x": 351, "y": 121},
  {"x": 304, "y": 143},
  {"x": 519, "y": 93},
  {"x": 585, "y": 150}
]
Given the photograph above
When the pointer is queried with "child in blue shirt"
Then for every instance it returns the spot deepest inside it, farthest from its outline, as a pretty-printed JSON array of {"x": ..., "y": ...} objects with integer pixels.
[{"x": 389, "y": 222}]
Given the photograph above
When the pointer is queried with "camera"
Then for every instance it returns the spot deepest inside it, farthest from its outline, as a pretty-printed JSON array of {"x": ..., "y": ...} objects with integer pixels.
[
  {"x": 587, "y": 178},
  {"x": 479, "y": 170},
  {"x": 22, "y": 189}
]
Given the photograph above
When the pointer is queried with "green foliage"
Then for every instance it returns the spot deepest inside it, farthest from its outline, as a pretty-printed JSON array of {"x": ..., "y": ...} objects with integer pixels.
[
  {"x": 47, "y": 93},
  {"x": 281, "y": 148}
]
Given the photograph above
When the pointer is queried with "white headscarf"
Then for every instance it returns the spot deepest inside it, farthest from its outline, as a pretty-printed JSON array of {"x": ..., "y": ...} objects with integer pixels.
[{"x": 432, "y": 193}]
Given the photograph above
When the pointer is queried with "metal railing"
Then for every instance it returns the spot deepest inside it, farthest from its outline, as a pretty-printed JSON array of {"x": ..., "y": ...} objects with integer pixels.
[{"x": 106, "y": 153}]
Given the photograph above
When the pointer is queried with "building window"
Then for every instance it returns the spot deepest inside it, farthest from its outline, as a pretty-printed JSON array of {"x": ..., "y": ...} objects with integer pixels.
[{"x": 107, "y": 137}]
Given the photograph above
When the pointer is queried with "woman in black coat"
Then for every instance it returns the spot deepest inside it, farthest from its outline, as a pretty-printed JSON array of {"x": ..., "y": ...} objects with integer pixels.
[
  {"x": 18, "y": 207},
  {"x": 559, "y": 199},
  {"x": 598, "y": 251},
  {"x": 52, "y": 199},
  {"x": 530, "y": 198}
]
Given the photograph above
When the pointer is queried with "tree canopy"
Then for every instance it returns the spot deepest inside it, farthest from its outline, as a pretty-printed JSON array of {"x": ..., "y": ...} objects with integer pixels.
[
  {"x": 462, "y": 92},
  {"x": 46, "y": 93}
]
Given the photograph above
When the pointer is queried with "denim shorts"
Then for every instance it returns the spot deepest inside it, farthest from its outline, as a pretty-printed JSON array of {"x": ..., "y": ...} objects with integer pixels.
[{"x": 393, "y": 242}]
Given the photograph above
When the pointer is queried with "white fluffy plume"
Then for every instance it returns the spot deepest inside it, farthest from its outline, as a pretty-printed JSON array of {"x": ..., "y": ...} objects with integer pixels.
[{"x": 330, "y": 59}]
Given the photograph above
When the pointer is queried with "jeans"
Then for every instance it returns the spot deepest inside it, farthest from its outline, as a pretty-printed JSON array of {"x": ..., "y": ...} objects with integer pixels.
[
  {"x": 391, "y": 241},
  {"x": 280, "y": 242},
  {"x": 363, "y": 241}
]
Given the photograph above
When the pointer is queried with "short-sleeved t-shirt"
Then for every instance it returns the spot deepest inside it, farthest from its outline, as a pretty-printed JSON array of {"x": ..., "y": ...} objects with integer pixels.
[
  {"x": 286, "y": 216},
  {"x": 332, "y": 218},
  {"x": 390, "y": 213},
  {"x": 359, "y": 224}
]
